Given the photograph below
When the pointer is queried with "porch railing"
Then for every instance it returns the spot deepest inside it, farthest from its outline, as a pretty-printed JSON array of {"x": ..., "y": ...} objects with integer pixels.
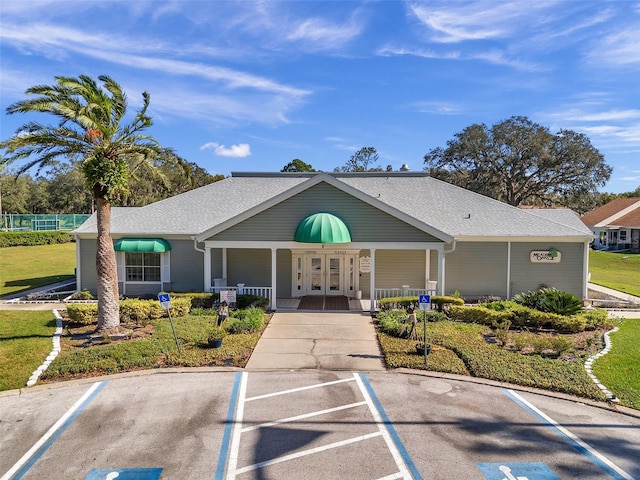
[
  {"x": 402, "y": 292},
  {"x": 244, "y": 290}
]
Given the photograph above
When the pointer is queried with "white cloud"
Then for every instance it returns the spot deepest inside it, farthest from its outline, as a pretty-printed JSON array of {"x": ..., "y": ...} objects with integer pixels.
[
  {"x": 319, "y": 34},
  {"x": 240, "y": 150},
  {"x": 619, "y": 48}
]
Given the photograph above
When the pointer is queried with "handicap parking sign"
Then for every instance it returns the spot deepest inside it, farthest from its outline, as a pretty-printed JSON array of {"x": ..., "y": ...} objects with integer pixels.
[
  {"x": 517, "y": 471},
  {"x": 425, "y": 302},
  {"x": 124, "y": 474},
  {"x": 165, "y": 300}
]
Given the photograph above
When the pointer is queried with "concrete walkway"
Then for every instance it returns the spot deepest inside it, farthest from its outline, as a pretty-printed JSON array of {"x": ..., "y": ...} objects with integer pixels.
[
  {"x": 318, "y": 340},
  {"x": 619, "y": 312}
]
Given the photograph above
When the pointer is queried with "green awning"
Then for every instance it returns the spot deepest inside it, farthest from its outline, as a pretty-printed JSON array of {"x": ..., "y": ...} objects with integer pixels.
[
  {"x": 147, "y": 245},
  {"x": 322, "y": 228}
]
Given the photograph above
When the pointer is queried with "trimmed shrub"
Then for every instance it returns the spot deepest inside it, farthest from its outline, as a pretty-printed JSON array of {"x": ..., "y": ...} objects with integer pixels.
[
  {"x": 441, "y": 302},
  {"x": 83, "y": 313},
  {"x": 444, "y": 302},
  {"x": 252, "y": 301},
  {"x": 82, "y": 295},
  {"x": 481, "y": 315},
  {"x": 28, "y": 239},
  {"x": 595, "y": 319},
  {"x": 198, "y": 299}
]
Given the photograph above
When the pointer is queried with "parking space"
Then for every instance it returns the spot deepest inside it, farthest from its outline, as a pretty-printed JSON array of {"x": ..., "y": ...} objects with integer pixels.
[{"x": 312, "y": 425}]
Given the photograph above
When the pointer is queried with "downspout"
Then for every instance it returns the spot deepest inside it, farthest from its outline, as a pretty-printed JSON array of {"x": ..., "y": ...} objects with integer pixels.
[
  {"x": 441, "y": 273},
  {"x": 206, "y": 265}
]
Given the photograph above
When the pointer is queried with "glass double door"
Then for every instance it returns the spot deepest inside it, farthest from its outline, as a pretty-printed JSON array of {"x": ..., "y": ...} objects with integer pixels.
[{"x": 325, "y": 275}]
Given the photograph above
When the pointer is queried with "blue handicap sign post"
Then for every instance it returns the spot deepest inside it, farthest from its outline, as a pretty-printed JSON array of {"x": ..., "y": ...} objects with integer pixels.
[
  {"x": 165, "y": 301},
  {"x": 517, "y": 471},
  {"x": 124, "y": 474}
]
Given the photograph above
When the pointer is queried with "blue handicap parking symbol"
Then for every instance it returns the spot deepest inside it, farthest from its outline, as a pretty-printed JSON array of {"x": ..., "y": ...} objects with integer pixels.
[
  {"x": 163, "y": 297},
  {"x": 124, "y": 474},
  {"x": 425, "y": 299},
  {"x": 517, "y": 471}
]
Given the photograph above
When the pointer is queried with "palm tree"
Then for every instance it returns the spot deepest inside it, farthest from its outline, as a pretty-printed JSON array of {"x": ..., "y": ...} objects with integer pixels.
[{"x": 92, "y": 128}]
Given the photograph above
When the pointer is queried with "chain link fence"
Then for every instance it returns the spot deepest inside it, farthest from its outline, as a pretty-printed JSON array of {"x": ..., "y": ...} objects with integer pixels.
[{"x": 17, "y": 222}]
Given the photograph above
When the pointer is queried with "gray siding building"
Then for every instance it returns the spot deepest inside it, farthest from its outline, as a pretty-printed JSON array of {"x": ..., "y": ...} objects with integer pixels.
[{"x": 359, "y": 235}]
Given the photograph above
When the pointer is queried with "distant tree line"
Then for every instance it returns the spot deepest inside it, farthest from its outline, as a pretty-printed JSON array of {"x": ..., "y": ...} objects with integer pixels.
[{"x": 62, "y": 188}]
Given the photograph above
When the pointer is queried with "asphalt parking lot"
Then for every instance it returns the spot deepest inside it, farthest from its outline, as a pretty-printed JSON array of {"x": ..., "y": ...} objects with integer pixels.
[{"x": 201, "y": 424}]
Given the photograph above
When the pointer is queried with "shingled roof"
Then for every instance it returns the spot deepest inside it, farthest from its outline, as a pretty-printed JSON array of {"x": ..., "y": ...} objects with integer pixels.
[
  {"x": 621, "y": 212},
  {"x": 414, "y": 196}
]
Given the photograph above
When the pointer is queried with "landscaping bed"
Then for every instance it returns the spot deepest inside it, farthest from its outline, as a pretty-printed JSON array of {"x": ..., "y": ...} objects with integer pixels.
[
  {"x": 144, "y": 344},
  {"x": 501, "y": 341}
]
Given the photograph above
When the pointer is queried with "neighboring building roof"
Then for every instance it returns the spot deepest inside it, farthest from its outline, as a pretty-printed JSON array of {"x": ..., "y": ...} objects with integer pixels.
[
  {"x": 621, "y": 212},
  {"x": 441, "y": 209}
]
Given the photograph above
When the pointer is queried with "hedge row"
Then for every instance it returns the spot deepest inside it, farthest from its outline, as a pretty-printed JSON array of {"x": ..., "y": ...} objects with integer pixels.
[
  {"x": 133, "y": 310},
  {"x": 440, "y": 301},
  {"x": 28, "y": 239},
  {"x": 519, "y": 316}
]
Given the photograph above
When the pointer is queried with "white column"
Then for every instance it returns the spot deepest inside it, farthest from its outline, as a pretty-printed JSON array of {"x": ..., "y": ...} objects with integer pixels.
[
  {"x": 427, "y": 268},
  {"x": 207, "y": 269},
  {"x": 224, "y": 264},
  {"x": 441, "y": 269},
  {"x": 274, "y": 278},
  {"x": 508, "y": 270},
  {"x": 372, "y": 280},
  {"x": 585, "y": 272}
]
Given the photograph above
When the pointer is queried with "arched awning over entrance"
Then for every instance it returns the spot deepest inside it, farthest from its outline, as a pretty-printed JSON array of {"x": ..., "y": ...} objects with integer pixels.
[{"x": 322, "y": 228}]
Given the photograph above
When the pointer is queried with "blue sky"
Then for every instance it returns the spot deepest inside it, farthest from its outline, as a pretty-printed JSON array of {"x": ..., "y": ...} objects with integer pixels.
[{"x": 249, "y": 86}]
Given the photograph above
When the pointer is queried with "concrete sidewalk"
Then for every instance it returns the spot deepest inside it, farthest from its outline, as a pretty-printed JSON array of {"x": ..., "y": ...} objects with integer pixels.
[{"x": 318, "y": 340}]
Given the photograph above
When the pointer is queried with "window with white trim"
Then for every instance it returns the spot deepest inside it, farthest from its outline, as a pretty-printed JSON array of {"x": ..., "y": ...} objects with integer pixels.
[
  {"x": 142, "y": 267},
  {"x": 623, "y": 235}
]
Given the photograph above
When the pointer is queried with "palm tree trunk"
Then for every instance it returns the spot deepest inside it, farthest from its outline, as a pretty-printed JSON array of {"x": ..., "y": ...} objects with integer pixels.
[{"x": 108, "y": 295}]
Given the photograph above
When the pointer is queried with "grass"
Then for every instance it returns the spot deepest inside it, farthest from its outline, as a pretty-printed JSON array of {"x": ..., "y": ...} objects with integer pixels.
[
  {"x": 619, "y": 370},
  {"x": 462, "y": 348},
  {"x": 29, "y": 267},
  {"x": 155, "y": 349},
  {"x": 620, "y": 271},
  {"x": 25, "y": 341}
]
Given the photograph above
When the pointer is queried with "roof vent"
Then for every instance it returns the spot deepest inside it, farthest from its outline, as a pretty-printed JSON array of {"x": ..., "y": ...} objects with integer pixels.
[{"x": 404, "y": 167}]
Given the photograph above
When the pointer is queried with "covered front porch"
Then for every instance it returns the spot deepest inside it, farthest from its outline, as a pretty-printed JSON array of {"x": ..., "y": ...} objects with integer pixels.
[{"x": 287, "y": 271}]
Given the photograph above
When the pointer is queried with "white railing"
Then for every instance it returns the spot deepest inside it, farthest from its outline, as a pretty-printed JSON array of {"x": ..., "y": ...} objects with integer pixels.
[
  {"x": 402, "y": 292},
  {"x": 244, "y": 290}
]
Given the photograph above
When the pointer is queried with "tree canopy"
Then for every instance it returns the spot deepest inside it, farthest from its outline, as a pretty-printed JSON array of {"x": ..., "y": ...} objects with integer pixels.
[
  {"x": 364, "y": 160},
  {"x": 297, "y": 165},
  {"x": 521, "y": 162}
]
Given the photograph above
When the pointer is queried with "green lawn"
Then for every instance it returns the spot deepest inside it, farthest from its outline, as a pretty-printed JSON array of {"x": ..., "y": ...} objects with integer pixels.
[
  {"x": 25, "y": 342},
  {"x": 619, "y": 370},
  {"x": 620, "y": 271},
  {"x": 28, "y": 267}
]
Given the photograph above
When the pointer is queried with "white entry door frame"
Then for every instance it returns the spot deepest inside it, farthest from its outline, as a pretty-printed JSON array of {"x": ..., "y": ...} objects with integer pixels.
[{"x": 324, "y": 272}]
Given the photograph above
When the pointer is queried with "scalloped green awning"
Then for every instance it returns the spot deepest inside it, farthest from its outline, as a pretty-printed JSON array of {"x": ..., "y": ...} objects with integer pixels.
[
  {"x": 322, "y": 228},
  {"x": 146, "y": 245}
]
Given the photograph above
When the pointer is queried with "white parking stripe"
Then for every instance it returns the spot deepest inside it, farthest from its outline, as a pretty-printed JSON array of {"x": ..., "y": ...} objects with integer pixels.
[
  {"x": 397, "y": 457},
  {"x": 232, "y": 469},
  {"x": 310, "y": 387},
  {"x": 308, "y": 452},
  {"x": 302, "y": 417},
  {"x": 235, "y": 439},
  {"x": 591, "y": 453}
]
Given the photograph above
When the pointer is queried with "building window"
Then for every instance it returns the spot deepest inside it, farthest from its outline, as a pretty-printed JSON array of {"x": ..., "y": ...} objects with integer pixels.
[
  {"x": 142, "y": 267},
  {"x": 623, "y": 235}
]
